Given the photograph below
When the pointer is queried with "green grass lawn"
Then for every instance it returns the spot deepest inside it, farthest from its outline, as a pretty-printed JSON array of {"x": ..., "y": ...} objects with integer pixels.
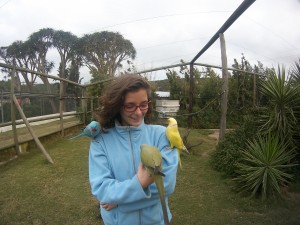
[
  {"x": 33, "y": 191},
  {"x": 24, "y": 136}
]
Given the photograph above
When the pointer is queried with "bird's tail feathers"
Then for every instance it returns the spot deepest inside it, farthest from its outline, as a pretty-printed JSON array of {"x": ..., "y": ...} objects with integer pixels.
[
  {"x": 185, "y": 149},
  {"x": 157, "y": 171},
  {"x": 77, "y": 136},
  {"x": 160, "y": 186},
  {"x": 179, "y": 160}
]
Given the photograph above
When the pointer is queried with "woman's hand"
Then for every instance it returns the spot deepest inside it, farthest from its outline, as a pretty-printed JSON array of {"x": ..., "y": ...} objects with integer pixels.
[
  {"x": 107, "y": 206},
  {"x": 144, "y": 177}
]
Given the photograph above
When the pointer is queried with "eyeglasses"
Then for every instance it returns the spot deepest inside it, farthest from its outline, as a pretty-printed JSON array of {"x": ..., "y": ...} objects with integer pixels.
[{"x": 130, "y": 107}]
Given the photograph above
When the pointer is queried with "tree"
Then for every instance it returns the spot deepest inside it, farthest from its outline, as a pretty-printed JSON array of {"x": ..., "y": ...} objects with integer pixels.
[
  {"x": 244, "y": 83},
  {"x": 22, "y": 56},
  {"x": 5, "y": 58},
  {"x": 244, "y": 96},
  {"x": 40, "y": 42},
  {"x": 210, "y": 88},
  {"x": 104, "y": 52},
  {"x": 73, "y": 75},
  {"x": 65, "y": 42},
  {"x": 206, "y": 89},
  {"x": 175, "y": 84}
]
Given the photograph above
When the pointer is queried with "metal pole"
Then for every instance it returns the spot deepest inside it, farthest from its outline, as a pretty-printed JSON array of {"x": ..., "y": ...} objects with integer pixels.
[
  {"x": 235, "y": 15},
  {"x": 239, "y": 11}
]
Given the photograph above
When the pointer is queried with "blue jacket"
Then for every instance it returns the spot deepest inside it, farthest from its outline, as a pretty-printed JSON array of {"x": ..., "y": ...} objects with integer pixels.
[{"x": 113, "y": 163}]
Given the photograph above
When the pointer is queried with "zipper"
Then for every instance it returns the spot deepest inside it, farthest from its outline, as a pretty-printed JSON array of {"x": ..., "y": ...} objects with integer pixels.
[
  {"x": 133, "y": 162},
  {"x": 132, "y": 153}
]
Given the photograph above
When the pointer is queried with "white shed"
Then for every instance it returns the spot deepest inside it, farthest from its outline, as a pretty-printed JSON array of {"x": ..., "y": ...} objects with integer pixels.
[
  {"x": 163, "y": 94},
  {"x": 167, "y": 108}
]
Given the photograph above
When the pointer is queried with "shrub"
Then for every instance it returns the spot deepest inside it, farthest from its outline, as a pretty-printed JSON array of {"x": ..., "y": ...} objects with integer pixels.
[
  {"x": 263, "y": 168},
  {"x": 228, "y": 151}
]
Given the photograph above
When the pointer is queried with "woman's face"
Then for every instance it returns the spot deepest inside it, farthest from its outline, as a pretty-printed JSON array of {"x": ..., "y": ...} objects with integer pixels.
[{"x": 132, "y": 115}]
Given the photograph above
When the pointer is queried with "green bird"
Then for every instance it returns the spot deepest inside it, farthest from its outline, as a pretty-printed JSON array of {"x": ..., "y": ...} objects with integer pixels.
[{"x": 152, "y": 161}]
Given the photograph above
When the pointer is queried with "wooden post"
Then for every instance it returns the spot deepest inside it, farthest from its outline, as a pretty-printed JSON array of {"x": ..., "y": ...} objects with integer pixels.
[
  {"x": 61, "y": 108},
  {"x": 2, "y": 112},
  {"x": 37, "y": 141},
  {"x": 13, "y": 111},
  {"x": 224, "y": 87},
  {"x": 190, "y": 117},
  {"x": 92, "y": 108},
  {"x": 83, "y": 105}
]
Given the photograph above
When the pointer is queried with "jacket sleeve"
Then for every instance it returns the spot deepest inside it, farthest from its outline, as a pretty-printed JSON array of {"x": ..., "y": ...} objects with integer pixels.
[
  {"x": 103, "y": 184},
  {"x": 170, "y": 165}
]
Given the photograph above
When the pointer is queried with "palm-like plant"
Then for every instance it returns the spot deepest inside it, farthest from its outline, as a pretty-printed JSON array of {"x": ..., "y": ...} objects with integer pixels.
[
  {"x": 284, "y": 103},
  {"x": 295, "y": 76},
  {"x": 263, "y": 167},
  {"x": 295, "y": 71}
]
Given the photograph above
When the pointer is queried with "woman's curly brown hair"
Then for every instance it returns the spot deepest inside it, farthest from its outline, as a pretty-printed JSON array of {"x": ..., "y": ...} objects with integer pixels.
[{"x": 111, "y": 102}]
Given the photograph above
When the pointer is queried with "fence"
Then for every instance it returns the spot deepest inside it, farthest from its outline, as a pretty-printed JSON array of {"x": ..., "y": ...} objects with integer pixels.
[{"x": 19, "y": 100}]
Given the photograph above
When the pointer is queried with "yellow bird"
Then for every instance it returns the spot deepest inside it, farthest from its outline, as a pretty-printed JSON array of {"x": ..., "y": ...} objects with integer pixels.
[{"x": 174, "y": 137}]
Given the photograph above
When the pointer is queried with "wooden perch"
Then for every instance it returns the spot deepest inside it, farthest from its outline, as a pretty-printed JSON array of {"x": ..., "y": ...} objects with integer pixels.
[
  {"x": 37, "y": 141},
  {"x": 185, "y": 141}
]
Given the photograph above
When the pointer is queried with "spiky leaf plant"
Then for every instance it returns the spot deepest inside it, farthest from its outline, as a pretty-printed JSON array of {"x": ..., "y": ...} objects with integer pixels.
[
  {"x": 284, "y": 105},
  {"x": 263, "y": 169},
  {"x": 295, "y": 71}
]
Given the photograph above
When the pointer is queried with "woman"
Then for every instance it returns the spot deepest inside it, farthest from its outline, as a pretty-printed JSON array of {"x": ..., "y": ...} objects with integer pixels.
[{"x": 119, "y": 181}]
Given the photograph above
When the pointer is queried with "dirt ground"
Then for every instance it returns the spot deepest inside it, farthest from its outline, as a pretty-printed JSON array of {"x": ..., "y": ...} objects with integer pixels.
[{"x": 215, "y": 134}]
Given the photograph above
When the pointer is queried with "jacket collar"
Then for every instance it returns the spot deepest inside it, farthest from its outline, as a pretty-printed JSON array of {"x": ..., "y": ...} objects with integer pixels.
[{"x": 124, "y": 129}]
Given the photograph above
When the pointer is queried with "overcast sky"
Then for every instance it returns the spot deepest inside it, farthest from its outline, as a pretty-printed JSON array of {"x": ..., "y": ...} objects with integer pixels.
[{"x": 165, "y": 31}]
